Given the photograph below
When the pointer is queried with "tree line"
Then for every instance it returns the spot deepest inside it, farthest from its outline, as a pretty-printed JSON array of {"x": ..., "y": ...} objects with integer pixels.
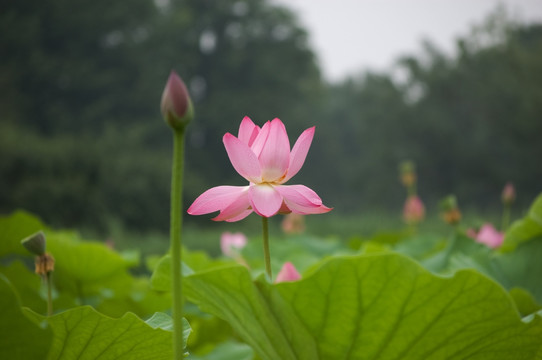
[{"x": 82, "y": 141}]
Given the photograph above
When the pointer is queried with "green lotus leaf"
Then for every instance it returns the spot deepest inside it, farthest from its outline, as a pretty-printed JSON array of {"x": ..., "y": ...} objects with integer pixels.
[
  {"x": 20, "y": 337},
  {"x": 16, "y": 227},
  {"x": 369, "y": 307},
  {"x": 83, "y": 333},
  {"x": 523, "y": 230}
]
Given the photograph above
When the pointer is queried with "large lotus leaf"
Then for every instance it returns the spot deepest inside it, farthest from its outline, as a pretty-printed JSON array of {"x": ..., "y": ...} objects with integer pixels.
[
  {"x": 227, "y": 351},
  {"x": 14, "y": 228},
  {"x": 525, "y": 301},
  {"x": 520, "y": 268},
  {"x": 192, "y": 261},
  {"x": 85, "y": 261},
  {"x": 525, "y": 229},
  {"x": 114, "y": 296},
  {"x": 20, "y": 337},
  {"x": 421, "y": 246},
  {"x": 459, "y": 245},
  {"x": 87, "y": 269},
  {"x": 161, "y": 277},
  {"x": 31, "y": 290},
  {"x": 82, "y": 269},
  {"x": 230, "y": 294},
  {"x": 83, "y": 333},
  {"x": 165, "y": 322},
  {"x": 27, "y": 284},
  {"x": 141, "y": 300},
  {"x": 370, "y": 307}
]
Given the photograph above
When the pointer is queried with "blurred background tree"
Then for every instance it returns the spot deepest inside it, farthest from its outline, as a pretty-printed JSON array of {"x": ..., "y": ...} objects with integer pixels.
[
  {"x": 82, "y": 142},
  {"x": 471, "y": 122}
]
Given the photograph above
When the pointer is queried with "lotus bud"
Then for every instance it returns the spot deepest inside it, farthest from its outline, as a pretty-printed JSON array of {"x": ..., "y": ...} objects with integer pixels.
[
  {"x": 35, "y": 243},
  {"x": 508, "y": 194},
  {"x": 293, "y": 223},
  {"x": 231, "y": 244},
  {"x": 450, "y": 210},
  {"x": 176, "y": 105},
  {"x": 407, "y": 170},
  {"x": 288, "y": 273},
  {"x": 414, "y": 210}
]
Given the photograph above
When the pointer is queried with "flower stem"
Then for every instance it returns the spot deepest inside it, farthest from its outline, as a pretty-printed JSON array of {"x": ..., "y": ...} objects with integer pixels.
[
  {"x": 411, "y": 190},
  {"x": 505, "y": 217},
  {"x": 175, "y": 241},
  {"x": 266, "y": 253},
  {"x": 49, "y": 285}
]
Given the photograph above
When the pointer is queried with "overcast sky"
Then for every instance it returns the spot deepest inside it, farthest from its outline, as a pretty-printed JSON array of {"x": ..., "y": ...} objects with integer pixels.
[{"x": 354, "y": 35}]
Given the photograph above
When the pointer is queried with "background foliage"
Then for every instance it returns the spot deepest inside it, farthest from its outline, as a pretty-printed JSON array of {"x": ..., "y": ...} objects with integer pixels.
[
  {"x": 82, "y": 142},
  {"x": 450, "y": 297}
]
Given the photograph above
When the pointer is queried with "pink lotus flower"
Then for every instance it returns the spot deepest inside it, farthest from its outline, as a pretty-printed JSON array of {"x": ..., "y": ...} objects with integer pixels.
[
  {"x": 489, "y": 236},
  {"x": 414, "y": 210},
  {"x": 288, "y": 273},
  {"x": 231, "y": 244},
  {"x": 263, "y": 158}
]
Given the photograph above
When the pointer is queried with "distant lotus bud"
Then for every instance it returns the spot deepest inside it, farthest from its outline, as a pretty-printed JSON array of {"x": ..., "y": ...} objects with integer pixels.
[
  {"x": 448, "y": 203},
  {"x": 414, "y": 210},
  {"x": 407, "y": 170},
  {"x": 450, "y": 210},
  {"x": 231, "y": 244},
  {"x": 35, "y": 243},
  {"x": 471, "y": 233},
  {"x": 176, "y": 105},
  {"x": 293, "y": 223},
  {"x": 288, "y": 273},
  {"x": 489, "y": 236},
  {"x": 508, "y": 194}
]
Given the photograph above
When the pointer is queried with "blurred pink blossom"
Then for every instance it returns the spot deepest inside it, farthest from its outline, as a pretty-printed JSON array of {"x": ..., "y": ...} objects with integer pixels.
[
  {"x": 288, "y": 273},
  {"x": 231, "y": 244},
  {"x": 488, "y": 235},
  {"x": 508, "y": 194},
  {"x": 263, "y": 158},
  {"x": 414, "y": 210},
  {"x": 293, "y": 224},
  {"x": 471, "y": 233}
]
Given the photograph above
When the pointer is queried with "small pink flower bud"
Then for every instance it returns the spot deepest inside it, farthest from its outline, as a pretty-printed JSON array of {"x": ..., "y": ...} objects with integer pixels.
[
  {"x": 176, "y": 105},
  {"x": 471, "y": 233},
  {"x": 489, "y": 236},
  {"x": 231, "y": 244},
  {"x": 407, "y": 169},
  {"x": 293, "y": 223},
  {"x": 414, "y": 210},
  {"x": 508, "y": 194},
  {"x": 288, "y": 273},
  {"x": 450, "y": 210}
]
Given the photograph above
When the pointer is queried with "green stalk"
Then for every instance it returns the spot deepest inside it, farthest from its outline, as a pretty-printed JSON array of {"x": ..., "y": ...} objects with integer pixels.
[
  {"x": 175, "y": 241},
  {"x": 266, "y": 252},
  {"x": 411, "y": 190},
  {"x": 49, "y": 285},
  {"x": 505, "y": 217}
]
